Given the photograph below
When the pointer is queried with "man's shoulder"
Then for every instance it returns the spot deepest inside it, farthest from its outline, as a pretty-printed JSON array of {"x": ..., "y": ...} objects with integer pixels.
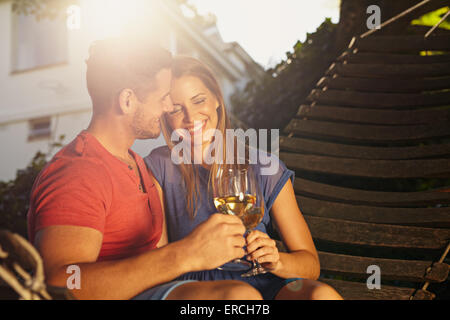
[{"x": 75, "y": 160}]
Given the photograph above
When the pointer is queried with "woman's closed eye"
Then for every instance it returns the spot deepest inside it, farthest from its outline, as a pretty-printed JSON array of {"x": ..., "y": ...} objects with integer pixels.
[{"x": 199, "y": 101}]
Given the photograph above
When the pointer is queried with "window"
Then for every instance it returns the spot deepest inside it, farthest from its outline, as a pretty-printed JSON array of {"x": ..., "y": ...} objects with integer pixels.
[
  {"x": 38, "y": 43},
  {"x": 40, "y": 129}
]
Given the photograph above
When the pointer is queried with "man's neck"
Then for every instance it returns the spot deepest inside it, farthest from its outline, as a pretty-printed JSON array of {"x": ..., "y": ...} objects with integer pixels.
[{"x": 112, "y": 135}]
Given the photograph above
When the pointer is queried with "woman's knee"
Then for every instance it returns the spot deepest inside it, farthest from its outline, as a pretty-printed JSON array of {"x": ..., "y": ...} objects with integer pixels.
[
  {"x": 238, "y": 290},
  {"x": 325, "y": 292},
  {"x": 321, "y": 291},
  {"x": 305, "y": 289},
  {"x": 215, "y": 290}
]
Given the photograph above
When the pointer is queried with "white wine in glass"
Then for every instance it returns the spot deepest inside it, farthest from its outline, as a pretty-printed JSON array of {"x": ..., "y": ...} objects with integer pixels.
[
  {"x": 237, "y": 193},
  {"x": 245, "y": 209}
]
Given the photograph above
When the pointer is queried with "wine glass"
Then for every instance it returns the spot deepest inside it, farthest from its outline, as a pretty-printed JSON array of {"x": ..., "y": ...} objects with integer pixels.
[{"x": 237, "y": 192}]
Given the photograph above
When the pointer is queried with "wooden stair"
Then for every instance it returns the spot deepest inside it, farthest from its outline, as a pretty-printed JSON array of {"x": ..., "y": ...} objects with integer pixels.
[{"x": 380, "y": 113}]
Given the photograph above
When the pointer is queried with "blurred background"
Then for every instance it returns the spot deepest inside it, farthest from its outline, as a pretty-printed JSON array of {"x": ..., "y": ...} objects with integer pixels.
[
  {"x": 45, "y": 44},
  {"x": 247, "y": 43},
  {"x": 365, "y": 127},
  {"x": 267, "y": 54}
]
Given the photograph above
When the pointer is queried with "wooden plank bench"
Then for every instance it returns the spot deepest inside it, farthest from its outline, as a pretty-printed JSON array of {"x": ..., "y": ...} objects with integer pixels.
[
  {"x": 381, "y": 113},
  {"x": 318, "y": 147},
  {"x": 367, "y": 133},
  {"x": 393, "y": 269},
  {"x": 378, "y": 70},
  {"x": 359, "y": 291},
  {"x": 389, "y": 85},
  {"x": 377, "y": 235},
  {"x": 373, "y": 116},
  {"x": 431, "y": 217},
  {"x": 422, "y": 168},
  {"x": 367, "y": 197},
  {"x": 378, "y": 100}
]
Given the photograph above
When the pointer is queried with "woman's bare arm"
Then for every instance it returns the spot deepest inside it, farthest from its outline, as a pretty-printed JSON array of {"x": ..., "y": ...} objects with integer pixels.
[{"x": 302, "y": 259}]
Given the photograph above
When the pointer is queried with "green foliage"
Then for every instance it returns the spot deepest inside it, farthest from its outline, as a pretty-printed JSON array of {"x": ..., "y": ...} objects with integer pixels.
[
  {"x": 42, "y": 9},
  {"x": 15, "y": 194},
  {"x": 431, "y": 18},
  {"x": 274, "y": 100}
]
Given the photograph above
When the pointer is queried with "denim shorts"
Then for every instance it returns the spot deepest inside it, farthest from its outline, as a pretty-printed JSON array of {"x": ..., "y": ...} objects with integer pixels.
[
  {"x": 160, "y": 292},
  {"x": 268, "y": 284}
]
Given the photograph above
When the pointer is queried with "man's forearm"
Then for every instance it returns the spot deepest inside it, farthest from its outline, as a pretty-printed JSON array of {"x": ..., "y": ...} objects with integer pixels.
[{"x": 124, "y": 279}]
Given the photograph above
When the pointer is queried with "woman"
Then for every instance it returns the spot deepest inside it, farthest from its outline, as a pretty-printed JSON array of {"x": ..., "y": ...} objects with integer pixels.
[{"x": 198, "y": 104}]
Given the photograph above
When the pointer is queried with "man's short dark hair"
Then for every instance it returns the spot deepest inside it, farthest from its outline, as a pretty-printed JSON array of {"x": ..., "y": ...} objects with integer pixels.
[{"x": 121, "y": 63}]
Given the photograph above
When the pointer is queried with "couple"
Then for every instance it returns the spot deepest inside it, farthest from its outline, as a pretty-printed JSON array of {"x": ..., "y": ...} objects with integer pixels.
[{"x": 100, "y": 206}]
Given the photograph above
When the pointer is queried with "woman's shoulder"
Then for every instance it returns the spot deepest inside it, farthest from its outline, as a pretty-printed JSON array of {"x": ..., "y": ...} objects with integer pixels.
[
  {"x": 158, "y": 158},
  {"x": 267, "y": 163},
  {"x": 160, "y": 153},
  {"x": 160, "y": 164}
]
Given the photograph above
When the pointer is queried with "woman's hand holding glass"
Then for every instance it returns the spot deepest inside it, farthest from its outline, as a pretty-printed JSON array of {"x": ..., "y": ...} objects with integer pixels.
[
  {"x": 261, "y": 248},
  {"x": 236, "y": 192}
]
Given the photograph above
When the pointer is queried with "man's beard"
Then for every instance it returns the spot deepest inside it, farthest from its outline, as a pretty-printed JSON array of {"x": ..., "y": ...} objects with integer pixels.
[{"x": 145, "y": 130}]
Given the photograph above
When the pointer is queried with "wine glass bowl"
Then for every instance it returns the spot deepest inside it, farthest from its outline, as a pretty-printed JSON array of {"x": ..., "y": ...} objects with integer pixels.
[{"x": 236, "y": 192}]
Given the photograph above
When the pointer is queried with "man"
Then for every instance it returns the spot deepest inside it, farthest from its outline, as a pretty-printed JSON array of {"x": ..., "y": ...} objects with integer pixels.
[{"x": 95, "y": 204}]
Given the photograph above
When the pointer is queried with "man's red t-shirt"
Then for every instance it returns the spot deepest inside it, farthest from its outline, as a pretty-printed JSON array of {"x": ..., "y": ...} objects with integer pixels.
[{"x": 85, "y": 185}]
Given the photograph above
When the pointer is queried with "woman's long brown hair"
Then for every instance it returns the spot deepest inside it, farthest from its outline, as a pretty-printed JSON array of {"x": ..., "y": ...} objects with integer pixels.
[{"x": 187, "y": 66}]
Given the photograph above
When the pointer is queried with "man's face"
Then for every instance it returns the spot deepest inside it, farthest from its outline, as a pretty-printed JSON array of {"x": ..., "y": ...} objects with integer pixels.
[{"x": 146, "y": 121}]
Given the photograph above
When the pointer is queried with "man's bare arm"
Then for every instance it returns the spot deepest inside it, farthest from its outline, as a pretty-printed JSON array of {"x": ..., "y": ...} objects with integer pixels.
[
  {"x": 164, "y": 236},
  {"x": 211, "y": 244}
]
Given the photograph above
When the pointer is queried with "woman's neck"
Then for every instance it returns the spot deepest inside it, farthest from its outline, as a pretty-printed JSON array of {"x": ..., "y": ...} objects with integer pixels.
[{"x": 204, "y": 153}]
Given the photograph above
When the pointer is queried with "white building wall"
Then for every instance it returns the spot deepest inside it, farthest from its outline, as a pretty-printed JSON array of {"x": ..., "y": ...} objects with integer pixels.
[
  {"x": 17, "y": 151},
  {"x": 57, "y": 91}
]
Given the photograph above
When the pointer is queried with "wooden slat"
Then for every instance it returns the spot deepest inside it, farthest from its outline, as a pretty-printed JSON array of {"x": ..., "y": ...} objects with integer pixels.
[
  {"x": 378, "y": 100},
  {"x": 372, "y": 198},
  {"x": 402, "y": 43},
  {"x": 422, "y": 217},
  {"x": 389, "y": 71},
  {"x": 414, "y": 85},
  {"x": 376, "y": 235},
  {"x": 364, "y": 218},
  {"x": 310, "y": 146},
  {"x": 368, "y": 168},
  {"x": 373, "y": 116},
  {"x": 359, "y": 291},
  {"x": 367, "y": 133},
  {"x": 391, "y": 269},
  {"x": 391, "y": 58}
]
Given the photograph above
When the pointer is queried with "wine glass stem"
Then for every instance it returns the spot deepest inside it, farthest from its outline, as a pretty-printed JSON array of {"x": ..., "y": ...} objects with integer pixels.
[{"x": 257, "y": 267}]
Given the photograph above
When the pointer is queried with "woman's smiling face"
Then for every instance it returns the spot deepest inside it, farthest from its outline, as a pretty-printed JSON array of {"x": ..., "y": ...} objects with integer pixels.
[{"x": 195, "y": 107}]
